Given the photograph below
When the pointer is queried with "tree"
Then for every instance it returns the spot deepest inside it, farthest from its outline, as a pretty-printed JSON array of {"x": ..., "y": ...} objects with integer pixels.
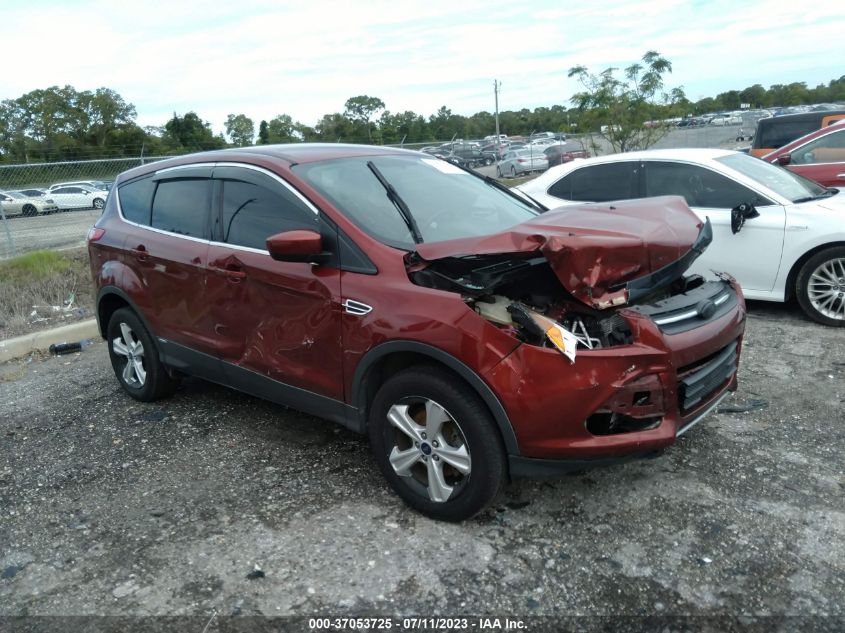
[
  {"x": 361, "y": 109},
  {"x": 263, "y": 133},
  {"x": 282, "y": 129},
  {"x": 191, "y": 133},
  {"x": 620, "y": 108},
  {"x": 241, "y": 129}
]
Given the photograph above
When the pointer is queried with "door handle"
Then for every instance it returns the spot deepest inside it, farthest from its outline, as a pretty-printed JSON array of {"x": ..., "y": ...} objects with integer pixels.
[
  {"x": 140, "y": 252},
  {"x": 232, "y": 272},
  {"x": 840, "y": 175}
]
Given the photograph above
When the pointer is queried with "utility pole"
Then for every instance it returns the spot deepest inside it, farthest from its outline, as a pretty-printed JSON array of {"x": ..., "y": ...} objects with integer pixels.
[{"x": 496, "y": 85}]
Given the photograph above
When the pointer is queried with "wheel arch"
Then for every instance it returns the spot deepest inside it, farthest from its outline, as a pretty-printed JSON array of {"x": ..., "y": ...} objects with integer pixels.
[
  {"x": 388, "y": 358},
  {"x": 789, "y": 290},
  {"x": 110, "y": 299}
]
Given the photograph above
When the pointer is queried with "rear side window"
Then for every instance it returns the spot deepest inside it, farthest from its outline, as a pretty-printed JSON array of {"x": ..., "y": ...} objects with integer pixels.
[
  {"x": 598, "y": 183},
  {"x": 252, "y": 213},
  {"x": 136, "y": 200},
  {"x": 181, "y": 206}
]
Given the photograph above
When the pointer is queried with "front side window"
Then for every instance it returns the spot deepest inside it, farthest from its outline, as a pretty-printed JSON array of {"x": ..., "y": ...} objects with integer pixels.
[
  {"x": 252, "y": 213},
  {"x": 700, "y": 187},
  {"x": 829, "y": 148},
  {"x": 181, "y": 206}
]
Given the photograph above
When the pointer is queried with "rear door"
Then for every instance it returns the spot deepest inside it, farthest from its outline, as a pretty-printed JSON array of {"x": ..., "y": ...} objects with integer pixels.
[
  {"x": 271, "y": 319},
  {"x": 752, "y": 255}
]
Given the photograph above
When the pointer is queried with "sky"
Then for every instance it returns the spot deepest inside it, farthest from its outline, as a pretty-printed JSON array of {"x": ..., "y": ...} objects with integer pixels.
[{"x": 305, "y": 58}]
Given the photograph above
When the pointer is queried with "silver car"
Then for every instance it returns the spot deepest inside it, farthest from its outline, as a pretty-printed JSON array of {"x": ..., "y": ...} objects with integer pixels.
[
  {"x": 15, "y": 203},
  {"x": 522, "y": 161}
]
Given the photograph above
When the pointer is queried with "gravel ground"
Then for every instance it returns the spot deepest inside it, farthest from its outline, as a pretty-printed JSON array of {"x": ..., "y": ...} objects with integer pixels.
[{"x": 113, "y": 507}]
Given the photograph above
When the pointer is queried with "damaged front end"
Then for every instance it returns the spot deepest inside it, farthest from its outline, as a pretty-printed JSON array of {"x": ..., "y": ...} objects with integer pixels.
[{"x": 614, "y": 294}]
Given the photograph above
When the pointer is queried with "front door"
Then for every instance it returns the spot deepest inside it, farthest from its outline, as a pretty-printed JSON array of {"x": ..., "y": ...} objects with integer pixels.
[
  {"x": 272, "y": 320},
  {"x": 753, "y": 255}
]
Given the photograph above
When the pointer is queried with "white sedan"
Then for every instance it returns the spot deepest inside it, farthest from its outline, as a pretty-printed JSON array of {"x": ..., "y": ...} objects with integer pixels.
[
  {"x": 792, "y": 242},
  {"x": 78, "y": 197},
  {"x": 15, "y": 203}
]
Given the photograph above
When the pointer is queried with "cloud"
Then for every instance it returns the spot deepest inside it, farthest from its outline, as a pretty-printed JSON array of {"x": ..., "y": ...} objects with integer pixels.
[{"x": 264, "y": 58}]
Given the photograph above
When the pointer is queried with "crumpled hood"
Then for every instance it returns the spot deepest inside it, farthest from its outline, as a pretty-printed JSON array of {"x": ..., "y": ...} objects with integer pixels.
[{"x": 592, "y": 248}]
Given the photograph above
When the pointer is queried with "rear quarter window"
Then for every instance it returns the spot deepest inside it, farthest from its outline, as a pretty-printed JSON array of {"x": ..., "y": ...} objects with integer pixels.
[{"x": 136, "y": 200}]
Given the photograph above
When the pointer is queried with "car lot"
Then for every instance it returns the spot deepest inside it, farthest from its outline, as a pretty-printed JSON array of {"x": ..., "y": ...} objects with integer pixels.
[
  {"x": 55, "y": 231},
  {"x": 111, "y": 506}
]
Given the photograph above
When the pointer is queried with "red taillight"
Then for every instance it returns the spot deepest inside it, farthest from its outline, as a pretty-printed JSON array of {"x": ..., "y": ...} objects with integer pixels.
[
  {"x": 521, "y": 160},
  {"x": 94, "y": 234}
]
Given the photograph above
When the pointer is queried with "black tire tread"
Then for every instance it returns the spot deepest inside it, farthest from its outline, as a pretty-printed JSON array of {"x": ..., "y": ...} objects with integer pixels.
[
  {"x": 159, "y": 383},
  {"x": 801, "y": 285}
]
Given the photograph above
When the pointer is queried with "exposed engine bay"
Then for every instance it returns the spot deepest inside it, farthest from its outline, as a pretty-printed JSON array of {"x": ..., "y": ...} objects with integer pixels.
[{"x": 524, "y": 297}]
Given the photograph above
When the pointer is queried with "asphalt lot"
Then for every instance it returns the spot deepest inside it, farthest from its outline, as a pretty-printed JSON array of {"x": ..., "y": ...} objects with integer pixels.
[
  {"x": 113, "y": 507},
  {"x": 54, "y": 231}
]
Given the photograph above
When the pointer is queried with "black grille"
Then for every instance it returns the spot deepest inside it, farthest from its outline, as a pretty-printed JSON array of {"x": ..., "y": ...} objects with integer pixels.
[{"x": 701, "y": 381}]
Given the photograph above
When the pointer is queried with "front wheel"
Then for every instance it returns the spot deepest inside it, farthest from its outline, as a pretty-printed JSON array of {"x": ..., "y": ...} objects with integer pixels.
[
  {"x": 820, "y": 287},
  {"x": 498, "y": 171},
  {"x": 513, "y": 171},
  {"x": 29, "y": 210},
  {"x": 436, "y": 444}
]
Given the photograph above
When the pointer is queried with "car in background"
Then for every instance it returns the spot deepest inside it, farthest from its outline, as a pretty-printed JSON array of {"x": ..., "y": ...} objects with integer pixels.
[
  {"x": 725, "y": 119},
  {"x": 521, "y": 161},
  {"x": 32, "y": 193},
  {"x": 471, "y": 156},
  {"x": 774, "y": 132},
  {"x": 564, "y": 152},
  {"x": 79, "y": 197},
  {"x": 74, "y": 183},
  {"x": 819, "y": 156},
  {"x": 788, "y": 241},
  {"x": 15, "y": 203},
  {"x": 472, "y": 338}
]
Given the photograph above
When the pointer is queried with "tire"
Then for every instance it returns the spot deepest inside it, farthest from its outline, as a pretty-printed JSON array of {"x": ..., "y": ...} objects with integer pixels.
[
  {"x": 99, "y": 203},
  {"x": 513, "y": 171},
  {"x": 127, "y": 359},
  {"x": 498, "y": 172},
  {"x": 29, "y": 210},
  {"x": 462, "y": 454},
  {"x": 820, "y": 287}
]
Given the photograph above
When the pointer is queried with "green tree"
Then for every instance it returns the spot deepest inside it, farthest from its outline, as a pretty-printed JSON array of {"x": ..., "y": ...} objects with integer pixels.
[
  {"x": 620, "y": 107},
  {"x": 282, "y": 129},
  {"x": 263, "y": 133},
  {"x": 241, "y": 129},
  {"x": 190, "y": 133},
  {"x": 361, "y": 109}
]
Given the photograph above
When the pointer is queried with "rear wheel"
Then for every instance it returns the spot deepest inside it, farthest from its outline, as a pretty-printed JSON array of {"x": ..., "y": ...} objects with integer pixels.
[
  {"x": 135, "y": 360},
  {"x": 498, "y": 171},
  {"x": 29, "y": 210},
  {"x": 820, "y": 287},
  {"x": 99, "y": 203},
  {"x": 436, "y": 444},
  {"x": 513, "y": 171}
]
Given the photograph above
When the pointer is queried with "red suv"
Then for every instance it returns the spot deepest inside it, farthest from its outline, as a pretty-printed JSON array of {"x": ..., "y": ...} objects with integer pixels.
[{"x": 474, "y": 337}]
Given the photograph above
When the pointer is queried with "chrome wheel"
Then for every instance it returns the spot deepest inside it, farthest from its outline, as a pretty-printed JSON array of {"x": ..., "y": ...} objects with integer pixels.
[
  {"x": 428, "y": 448},
  {"x": 826, "y": 288},
  {"x": 128, "y": 345}
]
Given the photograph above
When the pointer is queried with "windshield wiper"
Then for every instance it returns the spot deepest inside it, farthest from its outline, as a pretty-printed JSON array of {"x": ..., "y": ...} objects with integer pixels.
[
  {"x": 826, "y": 194},
  {"x": 400, "y": 205}
]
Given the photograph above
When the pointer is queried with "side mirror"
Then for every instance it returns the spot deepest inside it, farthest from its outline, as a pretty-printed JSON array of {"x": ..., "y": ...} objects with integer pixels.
[
  {"x": 784, "y": 159},
  {"x": 741, "y": 213},
  {"x": 297, "y": 246}
]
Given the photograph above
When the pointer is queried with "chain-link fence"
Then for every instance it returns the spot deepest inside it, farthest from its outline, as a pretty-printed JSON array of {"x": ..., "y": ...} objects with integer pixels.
[{"x": 52, "y": 205}]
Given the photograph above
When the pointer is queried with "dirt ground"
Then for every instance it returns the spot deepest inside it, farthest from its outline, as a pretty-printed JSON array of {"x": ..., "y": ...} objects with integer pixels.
[{"x": 212, "y": 502}]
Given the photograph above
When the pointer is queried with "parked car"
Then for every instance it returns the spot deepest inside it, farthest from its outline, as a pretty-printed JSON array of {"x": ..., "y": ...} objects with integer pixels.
[
  {"x": 819, "y": 156},
  {"x": 790, "y": 245},
  {"x": 75, "y": 183},
  {"x": 522, "y": 161},
  {"x": 472, "y": 157},
  {"x": 774, "y": 132},
  {"x": 564, "y": 152},
  {"x": 15, "y": 203},
  {"x": 33, "y": 193},
  {"x": 726, "y": 119},
  {"x": 472, "y": 338},
  {"x": 79, "y": 198}
]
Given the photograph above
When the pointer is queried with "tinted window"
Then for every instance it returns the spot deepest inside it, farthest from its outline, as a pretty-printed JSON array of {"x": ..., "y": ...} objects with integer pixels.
[
  {"x": 777, "y": 132},
  {"x": 136, "y": 199},
  {"x": 699, "y": 186},
  {"x": 830, "y": 148},
  {"x": 181, "y": 206},
  {"x": 602, "y": 183},
  {"x": 252, "y": 213}
]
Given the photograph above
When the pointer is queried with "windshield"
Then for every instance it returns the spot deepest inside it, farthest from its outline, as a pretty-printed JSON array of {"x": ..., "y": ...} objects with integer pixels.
[
  {"x": 445, "y": 201},
  {"x": 780, "y": 180}
]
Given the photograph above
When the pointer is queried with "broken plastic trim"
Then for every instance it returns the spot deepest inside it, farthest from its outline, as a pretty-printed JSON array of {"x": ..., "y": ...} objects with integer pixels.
[{"x": 663, "y": 277}]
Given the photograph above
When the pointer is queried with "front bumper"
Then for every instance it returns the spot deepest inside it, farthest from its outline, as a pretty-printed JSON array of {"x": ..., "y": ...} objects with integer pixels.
[{"x": 551, "y": 402}]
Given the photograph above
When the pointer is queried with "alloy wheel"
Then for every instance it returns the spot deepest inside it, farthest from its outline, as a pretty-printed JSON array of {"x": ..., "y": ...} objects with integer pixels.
[
  {"x": 128, "y": 345},
  {"x": 429, "y": 449},
  {"x": 826, "y": 288}
]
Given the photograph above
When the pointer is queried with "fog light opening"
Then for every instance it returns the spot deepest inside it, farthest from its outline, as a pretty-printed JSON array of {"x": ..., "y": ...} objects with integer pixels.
[{"x": 608, "y": 423}]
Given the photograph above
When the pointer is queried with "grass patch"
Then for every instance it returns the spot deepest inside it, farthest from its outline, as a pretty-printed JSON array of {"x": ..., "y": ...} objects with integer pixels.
[{"x": 38, "y": 281}]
